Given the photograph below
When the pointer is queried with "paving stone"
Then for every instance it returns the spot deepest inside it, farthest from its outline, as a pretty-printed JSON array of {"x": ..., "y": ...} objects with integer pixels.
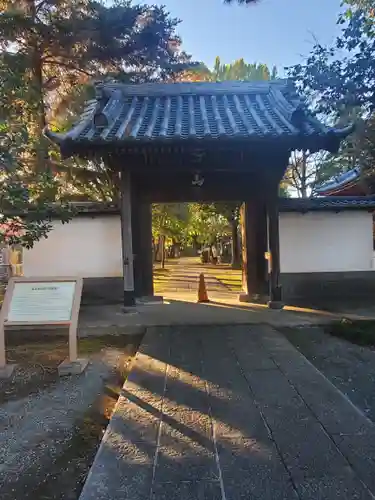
[
  {"x": 244, "y": 425},
  {"x": 176, "y": 464},
  {"x": 346, "y": 487},
  {"x": 189, "y": 490},
  {"x": 360, "y": 452},
  {"x": 331, "y": 407},
  {"x": 251, "y": 354},
  {"x": 235, "y": 414},
  {"x": 185, "y": 389},
  {"x": 122, "y": 469},
  {"x": 134, "y": 422},
  {"x": 249, "y": 454},
  {"x": 156, "y": 344},
  {"x": 259, "y": 486},
  {"x": 189, "y": 430},
  {"x": 256, "y": 360},
  {"x": 307, "y": 450},
  {"x": 272, "y": 388},
  {"x": 252, "y": 468}
]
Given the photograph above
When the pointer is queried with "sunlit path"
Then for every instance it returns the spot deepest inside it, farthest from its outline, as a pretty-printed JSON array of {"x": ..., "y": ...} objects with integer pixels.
[{"x": 215, "y": 413}]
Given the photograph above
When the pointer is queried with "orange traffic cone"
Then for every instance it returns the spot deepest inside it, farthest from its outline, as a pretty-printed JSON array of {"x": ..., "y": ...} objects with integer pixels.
[{"x": 202, "y": 292}]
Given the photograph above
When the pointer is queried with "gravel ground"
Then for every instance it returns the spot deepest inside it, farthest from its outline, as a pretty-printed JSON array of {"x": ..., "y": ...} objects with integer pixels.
[
  {"x": 350, "y": 367},
  {"x": 49, "y": 436}
]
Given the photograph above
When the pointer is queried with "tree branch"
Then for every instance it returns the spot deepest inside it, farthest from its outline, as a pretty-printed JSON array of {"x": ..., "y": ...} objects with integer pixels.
[{"x": 66, "y": 65}]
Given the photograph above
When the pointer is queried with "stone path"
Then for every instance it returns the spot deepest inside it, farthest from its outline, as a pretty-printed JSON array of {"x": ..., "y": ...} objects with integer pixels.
[
  {"x": 231, "y": 413},
  {"x": 183, "y": 276}
]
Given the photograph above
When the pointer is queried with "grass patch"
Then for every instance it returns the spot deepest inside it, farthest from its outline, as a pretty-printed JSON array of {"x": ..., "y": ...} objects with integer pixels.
[
  {"x": 361, "y": 332},
  {"x": 231, "y": 278},
  {"x": 234, "y": 283},
  {"x": 161, "y": 277},
  {"x": 158, "y": 271},
  {"x": 37, "y": 360}
]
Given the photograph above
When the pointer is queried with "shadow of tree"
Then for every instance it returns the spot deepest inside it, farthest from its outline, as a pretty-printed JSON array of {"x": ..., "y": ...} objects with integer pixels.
[{"x": 186, "y": 424}]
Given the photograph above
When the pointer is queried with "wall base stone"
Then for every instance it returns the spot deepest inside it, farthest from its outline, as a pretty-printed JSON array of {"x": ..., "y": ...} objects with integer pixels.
[
  {"x": 102, "y": 291},
  {"x": 329, "y": 290}
]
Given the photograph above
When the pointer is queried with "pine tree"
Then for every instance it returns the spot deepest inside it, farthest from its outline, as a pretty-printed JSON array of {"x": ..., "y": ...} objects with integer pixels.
[{"x": 57, "y": 45}]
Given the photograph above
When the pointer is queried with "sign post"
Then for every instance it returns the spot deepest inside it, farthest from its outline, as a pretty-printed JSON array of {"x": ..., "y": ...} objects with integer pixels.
[{"x": 33, "y": 302}]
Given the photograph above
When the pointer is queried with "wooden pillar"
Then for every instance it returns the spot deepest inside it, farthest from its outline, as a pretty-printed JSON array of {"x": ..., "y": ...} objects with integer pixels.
[
  {"x": 127, "y": 239},
  {"x": 136, "y": 236},
  {"x": 142, "y": 246},
  {"x": 274, "y": 249},
  {"x": 146, "y": 245},
  {"x": 254, "y": 246}
]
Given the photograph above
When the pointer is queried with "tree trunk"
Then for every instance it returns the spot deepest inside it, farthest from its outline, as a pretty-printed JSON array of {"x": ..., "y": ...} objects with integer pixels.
[
  {"x": 195, "y": 244},
  {"x": 304, "y": 175},
  {"x": 236, "y": 259},
  {"x": 37, "y": 91},
  {"x": 154, "y": 250},
  {"x": 162, "y": 241},
  {"x": 158, "y": 249},
  {"x": 175, "y": 250}
]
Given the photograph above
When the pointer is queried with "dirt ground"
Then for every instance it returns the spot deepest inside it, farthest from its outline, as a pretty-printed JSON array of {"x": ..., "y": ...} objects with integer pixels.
[{"x": 51, "y": 427}]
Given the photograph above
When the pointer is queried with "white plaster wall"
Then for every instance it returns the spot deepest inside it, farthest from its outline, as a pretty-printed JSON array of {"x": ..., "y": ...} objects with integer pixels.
[
  {"x": 86, "y": 247},
  {"x": 326, "y": 241}
]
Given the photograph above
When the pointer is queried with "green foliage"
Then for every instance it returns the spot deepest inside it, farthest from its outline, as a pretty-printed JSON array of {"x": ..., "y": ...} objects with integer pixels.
[
  {"x": 359, "y": 332},
  {"x": 184, "y": 223},
  {"x": 242, "y": 71},
  {"x": 335, "y": 83},
  {"x": 59, "y": 45},
  {"x": 238, "y": 70},
  {"x": 170, "y": 220},
  {"x": 339, "y": 83},
  {"x": 51, "y": 52},
  {"x": 26, "y": 198},
  {"x": 206, "y": 224}
]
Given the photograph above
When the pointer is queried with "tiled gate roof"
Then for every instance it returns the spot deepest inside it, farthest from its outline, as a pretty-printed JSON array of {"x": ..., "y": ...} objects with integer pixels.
[{"x": 175, "y": 112}]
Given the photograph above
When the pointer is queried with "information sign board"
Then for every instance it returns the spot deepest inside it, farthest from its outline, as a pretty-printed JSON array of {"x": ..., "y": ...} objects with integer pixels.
[{"x": 32, "y": 302}]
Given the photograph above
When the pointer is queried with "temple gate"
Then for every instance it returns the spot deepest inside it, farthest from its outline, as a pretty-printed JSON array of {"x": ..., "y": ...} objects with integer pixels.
[{"x": 179, "y": 142}]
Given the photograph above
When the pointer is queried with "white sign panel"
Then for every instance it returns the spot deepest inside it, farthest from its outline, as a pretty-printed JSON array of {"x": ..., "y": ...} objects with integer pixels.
[{"x": 41, "y": 302}]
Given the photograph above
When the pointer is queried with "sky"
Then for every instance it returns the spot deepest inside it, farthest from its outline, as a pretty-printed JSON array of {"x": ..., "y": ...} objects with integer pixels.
[{"x": 275, "y": 32}]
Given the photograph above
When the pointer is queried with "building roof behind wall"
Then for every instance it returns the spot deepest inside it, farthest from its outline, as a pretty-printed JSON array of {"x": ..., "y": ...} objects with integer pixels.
[
  {"x": 327, "y": 203},
  {"x": 346, "y": 184}
]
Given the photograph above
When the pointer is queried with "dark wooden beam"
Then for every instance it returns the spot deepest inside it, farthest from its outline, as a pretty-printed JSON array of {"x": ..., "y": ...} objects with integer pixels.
[
  {"x": 145, "y": 241},
  {"x": 181, "y": 187},
  {"x": 127, "y": 239},
  {"x": 254, "y": 246},
  {"x": 136, "y": 241},
  {"x": 146, "y": 245},
  {"x": 142, "y": 242},
  {"x": 274, "y": 249}
]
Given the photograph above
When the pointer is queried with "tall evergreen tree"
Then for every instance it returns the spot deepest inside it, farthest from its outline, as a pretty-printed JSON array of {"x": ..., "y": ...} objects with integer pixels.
[
  {"x": 50, "y": 52},
  {"x": 57, "y": 45},
  {"x": 26, "y": 197}
]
